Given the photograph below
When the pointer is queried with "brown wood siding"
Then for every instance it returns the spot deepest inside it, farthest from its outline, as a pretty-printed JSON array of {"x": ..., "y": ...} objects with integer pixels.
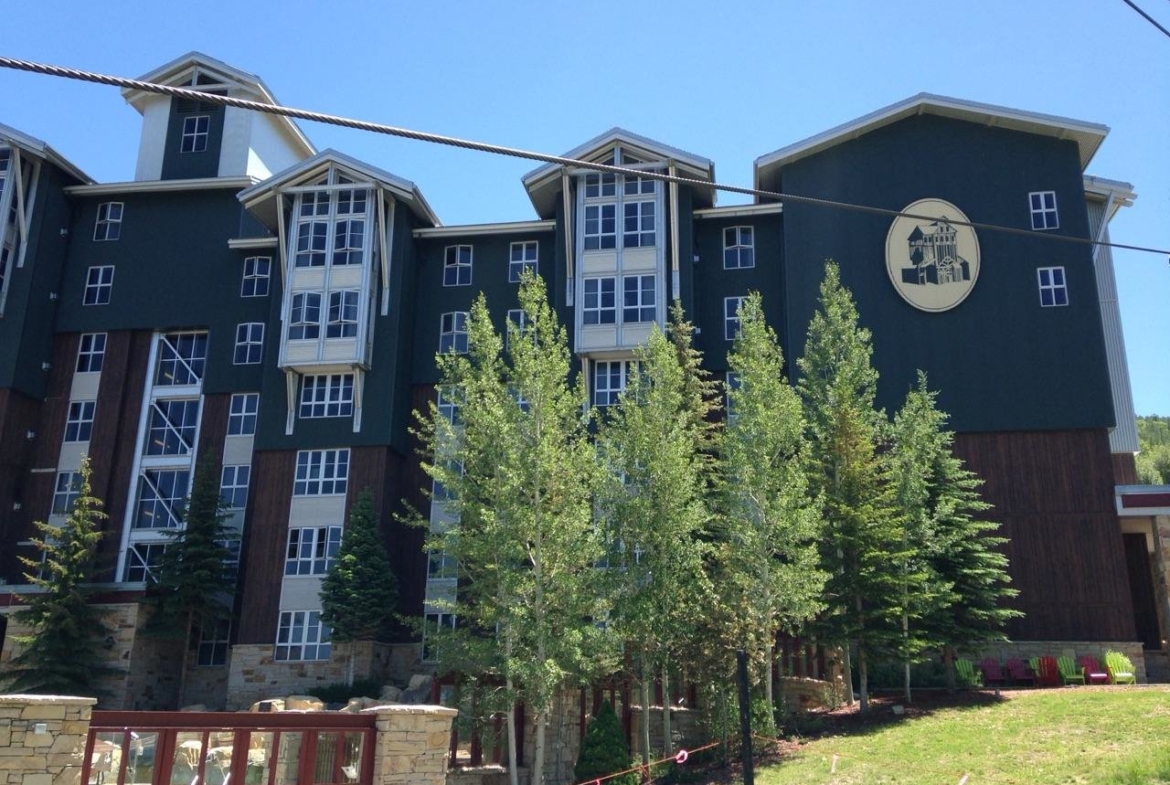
[
  {"x": 51, "y": 427},
  {"x": 115, "y": 431},
  {"x": 382, "y": 470},
  {"x": 19, "y": 414},
  {"x": 1141, "y": 587},
  {"x": 1124, "y": 468},
  {"x": 265, "y": 539},
  {"x": 213, "y": 428},
  {"x": 1053, "y": 493}
]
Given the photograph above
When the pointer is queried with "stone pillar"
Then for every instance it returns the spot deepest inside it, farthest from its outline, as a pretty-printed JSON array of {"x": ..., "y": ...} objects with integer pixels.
[
  {"x": 1162, "y": 572},
  {"x": 42, "y": 739},
  {"x": 411, "y": 744}
]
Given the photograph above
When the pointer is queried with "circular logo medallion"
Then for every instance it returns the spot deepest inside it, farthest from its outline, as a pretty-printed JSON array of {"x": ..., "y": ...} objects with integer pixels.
[{"x": 932, "y": 262}]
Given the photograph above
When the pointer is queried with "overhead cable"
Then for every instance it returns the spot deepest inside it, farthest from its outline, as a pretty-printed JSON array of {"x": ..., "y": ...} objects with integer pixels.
[{"x": 516, "y": 152}]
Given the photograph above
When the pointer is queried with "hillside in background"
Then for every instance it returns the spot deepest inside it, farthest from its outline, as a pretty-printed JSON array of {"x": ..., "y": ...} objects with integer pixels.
[{"x": 1153, "y": 462}]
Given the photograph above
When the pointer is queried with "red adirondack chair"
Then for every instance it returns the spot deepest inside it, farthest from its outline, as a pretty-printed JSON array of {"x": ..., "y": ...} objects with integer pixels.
[
  {"x": 1047, "y": 671},
  {"x": 1094, "y": 673},
  {"x": 1019, "y": 671},
  {"x": 992, "y": 673}
]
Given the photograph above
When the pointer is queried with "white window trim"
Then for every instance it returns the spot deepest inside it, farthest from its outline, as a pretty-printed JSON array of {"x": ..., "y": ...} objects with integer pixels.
[
  {"x": 739, "y": 246},
  {"x": 85, "y": 413},
  {"x": 517, "y": 266},
  {"x": 105, "y": 225},
  {"x": 101, "y": 285},
  {"x": 599, "y": 309},
  {"x": 199, "y": 139},
  {"x": 242, "y": 416},
  {"x": 451, "y": 337},
  {"x": 256, "y": 279},
  {"x": 1052, "y": 287},
  {"x": 625, "y": 366},
  {"x": 326, "y": 539},
  {"x": 731, "y": 324},
  {"x": 453, "y": 263},
  {"x": 93, "y": 356},
  {"x": 343, "y": 306},
  {"x": 327, "y": 395},
  {"x": 305, "y": 324},
  {"x": 641, "y": 294},
  {"x": 252, "y": 343},
  {"x": 235, "y": 487},
  {"x": 321, "y": 463},
  {"x": 308, "y": 623},
  {"x": 1044, "y": 212}
]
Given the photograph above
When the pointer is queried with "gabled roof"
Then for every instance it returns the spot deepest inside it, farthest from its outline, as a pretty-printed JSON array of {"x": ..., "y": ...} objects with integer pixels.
[
  {"x": 41, "y": 150},
  {"x": 178, "y": 72},
  {"x": 542, "y": 182},
  {"x": 1088, "y": 136},
  {"x": 259, "y": 198}
]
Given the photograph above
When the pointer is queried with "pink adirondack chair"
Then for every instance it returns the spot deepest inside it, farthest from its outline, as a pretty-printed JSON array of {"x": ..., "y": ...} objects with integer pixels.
[
  {"x": 1094, "y": 673},
  {"x": 992, "y": 673},
  {"x": 1019, "y": 672}
]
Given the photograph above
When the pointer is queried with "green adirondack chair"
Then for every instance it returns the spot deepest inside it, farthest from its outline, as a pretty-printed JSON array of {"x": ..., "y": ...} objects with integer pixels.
[
  {"x": 1120, "y": 669},
  {"x": 1069, "y": 670},
  {"x": 968, "y": 676}
]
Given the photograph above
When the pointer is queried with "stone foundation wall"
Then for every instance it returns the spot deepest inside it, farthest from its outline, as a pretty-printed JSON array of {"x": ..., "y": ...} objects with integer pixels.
[
  {"x": 254, "y": 674},
  {"x": 686, "y": 730},
  {"x": 42, "y": 739},
  {"x": 801, "y": 694},
  {"x": 1027, "y": 649}
]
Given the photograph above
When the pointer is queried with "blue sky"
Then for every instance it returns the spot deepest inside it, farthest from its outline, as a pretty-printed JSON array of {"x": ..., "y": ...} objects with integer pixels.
[{"x": 729, "y": 81}]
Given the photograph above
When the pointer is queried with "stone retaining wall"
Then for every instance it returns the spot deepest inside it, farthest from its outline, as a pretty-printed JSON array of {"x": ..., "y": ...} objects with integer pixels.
[
  {"x": 42, "y": 739},
  {"x": 1027, "y": 649}
]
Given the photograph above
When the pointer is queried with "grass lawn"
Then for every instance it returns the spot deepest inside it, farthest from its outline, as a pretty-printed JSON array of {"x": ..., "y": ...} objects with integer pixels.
[{"x": 1099, "y": 735}]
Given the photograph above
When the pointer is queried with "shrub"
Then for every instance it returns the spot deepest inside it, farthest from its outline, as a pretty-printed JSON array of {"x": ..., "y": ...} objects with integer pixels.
[
  {"x": 340, "y": 692},
  {"x": 604, "y": 750}
]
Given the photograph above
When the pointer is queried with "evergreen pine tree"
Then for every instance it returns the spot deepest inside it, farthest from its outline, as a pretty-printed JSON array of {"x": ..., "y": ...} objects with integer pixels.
[
  {"x": 60, "y": 655},
  {"x": 603, "y": 750},
  {"x": 359, "y": 595},
  {"x": 862, "y": 538},
  {"x": 193, "y": 586}
]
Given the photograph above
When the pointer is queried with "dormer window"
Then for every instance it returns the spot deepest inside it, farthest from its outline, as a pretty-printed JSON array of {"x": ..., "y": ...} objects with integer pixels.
[{"x": 195, "y": 132}]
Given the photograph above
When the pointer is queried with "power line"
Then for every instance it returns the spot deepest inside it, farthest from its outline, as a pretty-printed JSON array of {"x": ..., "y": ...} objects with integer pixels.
[
  {"x": 516, "y": 152},
  {"x": 1148, "y": 18}
]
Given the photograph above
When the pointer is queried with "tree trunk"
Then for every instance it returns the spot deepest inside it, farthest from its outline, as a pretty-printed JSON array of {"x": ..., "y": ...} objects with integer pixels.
[
  {"x": 862, "y": 676},
  {"x": 349, "y": 665},
  {"x": 771, "y": 659},
  {"x": 513, "y": 766},
  {"x": 645, "y": 715},
  {"x": 541, "y": 719},
  {"x": 906, "y": 643},
  {"x": 667, "y": 745},
  {"x": 849, "y": 673},
  {"x": 186, "y": 657},
  {"x": 949, "y": 668}
]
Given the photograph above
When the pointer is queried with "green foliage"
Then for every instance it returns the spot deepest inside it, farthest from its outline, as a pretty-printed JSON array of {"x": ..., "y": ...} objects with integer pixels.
[
  {"x": 191, "y": 587},
  {"x": 340, "y": 692},
  {"x": 359, "y": 595},
  {"x": 60, "y": 656},
  {"x": 603, "y": 750},
  {"x": 863, "y": 536},
  {"x": 770, "y": 577},
  {"x": 1153, "y": 461}
]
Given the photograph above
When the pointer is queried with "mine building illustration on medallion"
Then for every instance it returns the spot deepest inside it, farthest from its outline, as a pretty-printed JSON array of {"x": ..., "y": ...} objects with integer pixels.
[{"x": 932, "y": 263}]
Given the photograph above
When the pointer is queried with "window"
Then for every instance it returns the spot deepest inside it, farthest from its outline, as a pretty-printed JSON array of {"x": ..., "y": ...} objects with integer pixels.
[
  {"x": 66, "y": 491},
  {"x": 173, "y": 426},
  {"x": 305, "y": 323},
  {"x": 91, "y": 352},
  {"x": 321, "y": 472},
  {"x": 433, "y": 625},
  {"x": 601, "y": 184},
  {"x": 302, "y": 636},
  {"x": 214, "y": 637},
  {"x": 609, "y": 381},
  {"x": 731, "y": 306},
  {"x": 343, "y": 314},
  {"x": 448, "y": 402},
  {"x": 195, "y": 130},
  {"x": 453, "y": 332},
  {"x": 635, "y": 186},
  {"x": 440, "y": 566},
  {"x": 257, "y": 270},
  {"x": 638, "y": 228},
  {"x": 331, "y": 225},
  {"x": 249, "y": 343},
  {"x": 109, "y": 222},
  {"x": 522, "y": 257},
  {"x": 457, "y": 266},
  {"x": 600, "y": 305},
  {"x": 231, "y": 561},
  {"x": 242, "y": 414},
  {"x": 161, "y": 493},
  {"x": 311, "y": 550},
  {"x": 738, "y": 248},
  {"x": 1053, "y": 288},
  {"x": 600, "y": 226},
  {"x": 79, "y": 424},
  {"x": 181, "y": 359},
  {"x": 638, "y": 297},
  {"x": 518, "y": 318},
  {"x": 1043, "y": 204},
  {"x": 327, "y": 395},
  {"x": 99, "y": 283},
  {"x": 233, "y": 486},
  {"x": 141, "y": 561}
]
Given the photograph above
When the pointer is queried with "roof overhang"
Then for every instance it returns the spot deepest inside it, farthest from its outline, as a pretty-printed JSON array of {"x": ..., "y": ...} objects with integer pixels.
[
  {"x": 1088, "y": 136},
  {"x": 240, "y": 84},
  {"x": 1115, "y": 193},
  {"x": 261, "y": 200},
  {"x": 543, "y": 182},
  {"x": 36, "y": 147}
]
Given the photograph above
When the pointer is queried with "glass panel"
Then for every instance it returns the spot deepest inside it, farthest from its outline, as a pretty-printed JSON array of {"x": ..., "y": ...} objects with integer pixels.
[
  {"x": 259, "y": 755},
  {"x": 140, "y": 769},
  {"x": 106, "y": 758},
  {"x": 188, "y": 753},
  {"x": 217, "y": 766},
  {"x": 351, "y": 761},
  {"x": 326, "y": 757},
  {"x": 287, "y": 758}
]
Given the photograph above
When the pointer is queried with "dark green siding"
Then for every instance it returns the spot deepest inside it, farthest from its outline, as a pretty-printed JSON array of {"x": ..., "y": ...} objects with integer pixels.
[
  {"x": 184, "y": 166},
  {"x": 1000, "y": 361}
]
